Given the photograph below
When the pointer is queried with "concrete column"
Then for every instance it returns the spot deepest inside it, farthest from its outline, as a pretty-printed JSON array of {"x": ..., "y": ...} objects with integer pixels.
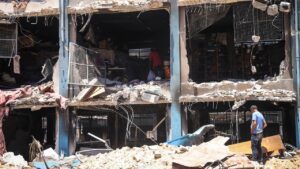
[
  {"x": 296, "y": 63},
  {"x": 176, "y": 128},
  {"x": 62, "y": 116}
]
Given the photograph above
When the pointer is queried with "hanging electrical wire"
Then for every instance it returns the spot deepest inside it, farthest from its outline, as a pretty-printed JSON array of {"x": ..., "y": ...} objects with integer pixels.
[{"x": 124, "y": 117}]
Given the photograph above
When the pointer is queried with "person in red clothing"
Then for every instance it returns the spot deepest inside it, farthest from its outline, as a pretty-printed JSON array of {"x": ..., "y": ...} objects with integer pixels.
[{"x": 155, "y": 62}]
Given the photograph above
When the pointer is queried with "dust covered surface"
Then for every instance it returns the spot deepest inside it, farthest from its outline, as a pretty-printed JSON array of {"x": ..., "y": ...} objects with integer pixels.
[
  {"x": 146, "y": 157},
  {"x": 276, "y": 163}
]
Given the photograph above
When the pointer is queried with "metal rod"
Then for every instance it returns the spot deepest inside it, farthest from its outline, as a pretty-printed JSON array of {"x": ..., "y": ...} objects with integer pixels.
[{"x": 100, "y": 139}]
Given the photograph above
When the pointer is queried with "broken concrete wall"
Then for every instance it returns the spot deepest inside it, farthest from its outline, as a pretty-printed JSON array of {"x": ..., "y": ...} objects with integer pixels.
[
  {"x": 272, "y": 90},
  {"x": 43, "y": 8},
  {"x": 85, "y": 6},
  {"x": 51, "y": 7},
  {"x": 198, "y": 2}
]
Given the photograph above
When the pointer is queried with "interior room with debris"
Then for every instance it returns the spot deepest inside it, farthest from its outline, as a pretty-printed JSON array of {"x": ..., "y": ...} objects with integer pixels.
[
  {"x": 237, "y": 55},
  {"x": 28, "y": 51}
]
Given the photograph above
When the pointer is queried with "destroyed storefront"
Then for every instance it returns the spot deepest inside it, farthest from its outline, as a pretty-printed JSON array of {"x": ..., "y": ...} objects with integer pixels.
[
  {"x": 109, "y": 65},
  {"x": 29, "y": 50},
  {"x": 120, "y": 58},
  {"x": 238, "y": 55},
  {"x": 119, "y": 73}
]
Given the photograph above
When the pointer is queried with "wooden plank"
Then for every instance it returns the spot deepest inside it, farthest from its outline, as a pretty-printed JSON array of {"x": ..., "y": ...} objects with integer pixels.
[{"x": 269, "y": 144}]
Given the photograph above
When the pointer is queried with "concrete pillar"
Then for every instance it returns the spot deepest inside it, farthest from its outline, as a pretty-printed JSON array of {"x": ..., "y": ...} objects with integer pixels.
[
  {"x": 178, "y": 124},
  {"x": 62, "y": 116},
  {"x": 296, "y": 63}
]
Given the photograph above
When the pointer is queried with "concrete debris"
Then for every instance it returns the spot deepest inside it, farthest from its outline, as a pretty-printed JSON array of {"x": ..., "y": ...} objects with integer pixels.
[
  {"x": 270, "y": 90},
  {"x": 28, "y": 95},
  {"x": 146, "y": 157},
  {"x": 277, "y": 163},
  {"x": 151, "y": 92},
  {"x": 211, "y": 151},
  {"x": 109, "y": 3},
  {"x": 149, "y": 97},
  {"x": 10, "y": 159},
  {"x": 29, "y": 8},
  {"x": 239, "y": 161},
  {"x": 50, "y": 154},
  {"x": 161, "y": 156}
]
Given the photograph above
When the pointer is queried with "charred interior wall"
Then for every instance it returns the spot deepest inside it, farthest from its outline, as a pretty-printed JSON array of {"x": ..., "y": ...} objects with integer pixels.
[
  {"x": 123, "y": 31},
  {"x": 220, "y": 45},
  {"x": 113, "y": 124},
  {"x": 22, "y": 124},
  {"x": 37, "y": 48},
  {"x": 119, "y": 46}
]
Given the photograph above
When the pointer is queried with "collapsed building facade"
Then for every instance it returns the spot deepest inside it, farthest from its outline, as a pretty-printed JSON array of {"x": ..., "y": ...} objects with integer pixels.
[{"x": 95, "y": 55}]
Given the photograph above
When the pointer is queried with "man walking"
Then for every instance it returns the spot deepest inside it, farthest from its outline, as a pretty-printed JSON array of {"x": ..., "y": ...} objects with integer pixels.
[{"x": 257, "y": 126}]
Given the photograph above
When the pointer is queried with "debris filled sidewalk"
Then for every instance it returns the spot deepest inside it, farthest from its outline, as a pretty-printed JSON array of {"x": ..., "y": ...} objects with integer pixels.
[
  {"x": 158, "y": 156},
  {"x": 211, "y": 154}
]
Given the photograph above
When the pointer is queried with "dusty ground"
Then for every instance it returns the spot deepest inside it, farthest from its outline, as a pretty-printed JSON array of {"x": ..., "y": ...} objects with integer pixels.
[{"x": 275, "y": 163}]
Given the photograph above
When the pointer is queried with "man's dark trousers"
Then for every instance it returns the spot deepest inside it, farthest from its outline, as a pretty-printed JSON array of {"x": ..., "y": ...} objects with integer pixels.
[{"x": 256, "y": 147}]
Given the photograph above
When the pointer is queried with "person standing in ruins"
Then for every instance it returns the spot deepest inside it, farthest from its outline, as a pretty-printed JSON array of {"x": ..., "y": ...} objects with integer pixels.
[{"x": 258, "y": 124}]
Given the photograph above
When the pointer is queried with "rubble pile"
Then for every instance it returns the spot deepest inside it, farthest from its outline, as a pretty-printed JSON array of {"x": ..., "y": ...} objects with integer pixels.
[
  {"x": 276, "y": 163},
  {"x": 10, "y": 160},
  {"x": 161, "y": 156},
  {"x": 271, "y": 90},
  {"x": 151, "y": 92},
  {"x": 28, "y": 95},
  {"x": 146, "y": 157}
]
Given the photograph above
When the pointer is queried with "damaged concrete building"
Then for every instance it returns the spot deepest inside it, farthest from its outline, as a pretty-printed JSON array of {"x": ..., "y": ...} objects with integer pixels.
[{"x": 136, "y": 72}]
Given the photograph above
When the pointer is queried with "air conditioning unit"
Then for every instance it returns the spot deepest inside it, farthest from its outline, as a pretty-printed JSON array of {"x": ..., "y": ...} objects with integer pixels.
[{"x": 8, "y": 39}]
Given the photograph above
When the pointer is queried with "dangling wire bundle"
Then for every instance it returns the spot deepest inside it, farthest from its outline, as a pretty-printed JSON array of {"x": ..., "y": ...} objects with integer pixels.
[{"x": 35, "y": 150}]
